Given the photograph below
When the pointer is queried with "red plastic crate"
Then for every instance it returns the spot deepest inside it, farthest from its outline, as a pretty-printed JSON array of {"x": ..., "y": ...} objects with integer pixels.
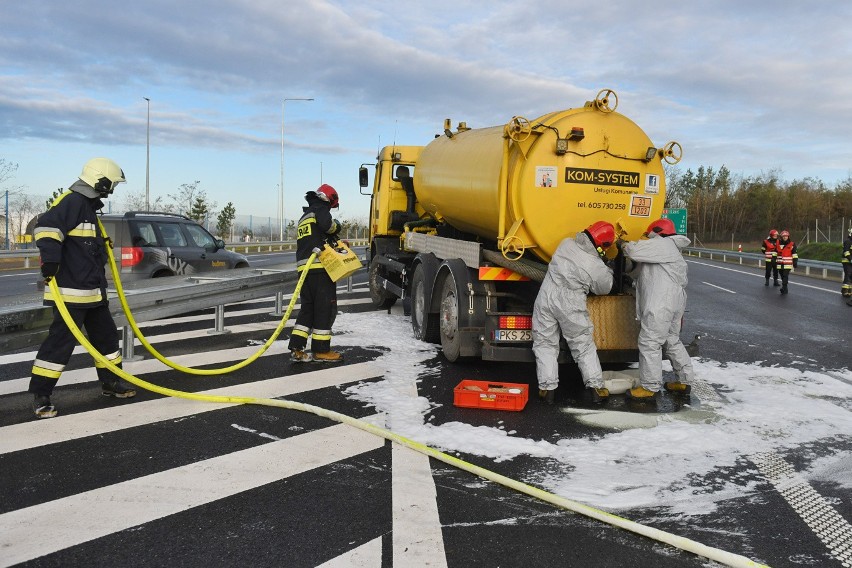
[{"x": 486, "y": 394}]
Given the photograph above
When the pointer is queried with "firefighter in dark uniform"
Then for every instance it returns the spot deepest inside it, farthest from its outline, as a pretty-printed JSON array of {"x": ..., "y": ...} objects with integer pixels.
[
  {"x": 319, "y": 292},
  {"x": 846, "y": 261},
  {"x": 770, "y": 253},
  {"x": 787, "y": 258},
  {"x": 73, "y": 252}
]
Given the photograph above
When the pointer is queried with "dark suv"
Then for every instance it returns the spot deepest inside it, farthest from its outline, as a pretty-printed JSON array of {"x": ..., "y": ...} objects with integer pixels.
[{"x": 151, "y": 245}]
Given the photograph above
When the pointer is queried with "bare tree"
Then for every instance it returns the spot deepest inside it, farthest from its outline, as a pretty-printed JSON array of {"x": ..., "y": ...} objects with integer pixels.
[
  {"x": 135, "y": 201},
  {"x": 22, "y": 208}
]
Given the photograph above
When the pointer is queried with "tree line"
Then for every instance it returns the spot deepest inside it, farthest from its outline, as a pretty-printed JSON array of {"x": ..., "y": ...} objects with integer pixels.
[{"x": 720, "y": 204}]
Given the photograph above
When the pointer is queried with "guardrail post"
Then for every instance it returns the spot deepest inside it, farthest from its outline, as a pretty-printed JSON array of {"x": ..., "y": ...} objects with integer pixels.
[
  {"x": 279, "y": 304},
  {"x": 219, "y": 322},
  {"x": 349, "y": 284},
  {"x": 127, "y": 346}
]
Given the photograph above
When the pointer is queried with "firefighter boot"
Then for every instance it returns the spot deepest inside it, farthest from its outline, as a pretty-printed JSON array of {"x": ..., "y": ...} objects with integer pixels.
[
  {"x": 677, "y": 387},
  {"x": 776, "y": 283},
  {"x": 328, "y": 357},
  {"x": 42, "y": 407},
  {"x": 598, "y": 395},
  {"x": 299, "y": 356},
  {"x": 547, "y": 396},
  {"x": 117, "y": 389},
  {"x": 767, "y": 282},
  {"x": 783, "y": 289},
  {"x": 641, "y": 393}
]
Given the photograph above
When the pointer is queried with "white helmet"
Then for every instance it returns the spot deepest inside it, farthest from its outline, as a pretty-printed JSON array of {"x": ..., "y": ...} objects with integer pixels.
[{"x": 103, "y": 175}]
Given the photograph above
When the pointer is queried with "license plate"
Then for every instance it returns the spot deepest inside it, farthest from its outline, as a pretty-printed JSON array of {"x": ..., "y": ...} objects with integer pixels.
[{"x": 512, "y": 335}]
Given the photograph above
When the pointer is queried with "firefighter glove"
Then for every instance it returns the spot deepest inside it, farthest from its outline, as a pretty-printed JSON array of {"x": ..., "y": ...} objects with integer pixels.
[
  {"x": 49, "y": 269},
  {"x": 337, "y": 225}
]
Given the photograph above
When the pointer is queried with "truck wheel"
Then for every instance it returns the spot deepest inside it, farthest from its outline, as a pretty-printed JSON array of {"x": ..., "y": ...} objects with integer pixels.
[
  {"x": 424, "y": 324},
  {"x": 449, "y": 319},
  {"x": 382, "y": 299}
]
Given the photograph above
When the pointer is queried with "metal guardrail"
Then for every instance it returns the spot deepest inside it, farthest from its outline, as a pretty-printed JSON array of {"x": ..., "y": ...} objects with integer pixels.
[
  {"x": 25, "y": 323},
  {"x": 813, "y": 268},
  {"x": 245, "y": 248}
]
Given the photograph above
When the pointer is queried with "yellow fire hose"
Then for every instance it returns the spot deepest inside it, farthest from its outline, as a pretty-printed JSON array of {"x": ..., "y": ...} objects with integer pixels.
[
  {"x": 718, "y": 555},
  {"x": 157, "y": 355}
]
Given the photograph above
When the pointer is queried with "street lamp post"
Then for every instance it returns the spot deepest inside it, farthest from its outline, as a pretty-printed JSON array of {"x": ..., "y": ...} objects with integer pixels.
[
  {"x": 281, "y": 196},
  {"x": 148, "y": 158}
]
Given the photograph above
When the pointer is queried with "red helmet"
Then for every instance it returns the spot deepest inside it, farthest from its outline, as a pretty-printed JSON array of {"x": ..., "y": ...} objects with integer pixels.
[
  {"x": 329, "y": 194},
  {"x": 785, "y": 234},
  {"x": 663, "y": 227},
  {"x": 773, "y": 234},
  {"x": 602, "y": 234}
]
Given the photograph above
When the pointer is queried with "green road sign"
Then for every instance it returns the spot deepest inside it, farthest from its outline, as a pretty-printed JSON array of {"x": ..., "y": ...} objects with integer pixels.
[{"x": 678, "y": 217}]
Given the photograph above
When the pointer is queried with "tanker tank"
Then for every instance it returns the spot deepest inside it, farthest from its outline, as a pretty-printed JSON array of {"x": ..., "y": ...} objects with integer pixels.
[{"x": 528, "y": 185}]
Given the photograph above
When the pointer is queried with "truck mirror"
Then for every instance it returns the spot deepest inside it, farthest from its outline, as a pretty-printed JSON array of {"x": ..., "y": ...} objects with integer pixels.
[{"x": 363, "y": 177}]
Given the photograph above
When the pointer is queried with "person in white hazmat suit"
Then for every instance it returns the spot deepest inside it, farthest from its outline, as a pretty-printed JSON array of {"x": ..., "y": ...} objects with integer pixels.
[
  {"x": 660, "y": 273},
  {"x": 577, "y": 268}
]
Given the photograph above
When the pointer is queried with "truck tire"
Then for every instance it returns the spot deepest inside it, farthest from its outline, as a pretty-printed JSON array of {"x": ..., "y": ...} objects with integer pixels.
[
  {"x": 381, "y": 298},
  {"x": 423, "y": 324},
  {"x": 449, "y": 319}
]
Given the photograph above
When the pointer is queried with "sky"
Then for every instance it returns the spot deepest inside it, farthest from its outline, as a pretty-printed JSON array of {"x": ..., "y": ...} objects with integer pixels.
[
  {"x": 637, "y": 460},
  {"x": 756, "y": 87}
]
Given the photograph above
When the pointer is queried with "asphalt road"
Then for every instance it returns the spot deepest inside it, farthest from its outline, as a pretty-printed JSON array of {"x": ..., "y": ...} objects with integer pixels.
[{"x": 165, "y": 482}]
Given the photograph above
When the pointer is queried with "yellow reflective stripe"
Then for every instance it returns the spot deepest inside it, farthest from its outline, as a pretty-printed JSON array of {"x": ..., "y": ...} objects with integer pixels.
[
  {"x": 114, "y": 358},
  {"x": 83, "y": 230},
  {"x": 49, "y": 373},
  {"x": 311, "y": 267},
  {"x": 319, "y": 337},
  {"x": 75, "y": 296},
  {"x": 48, "y": 233},
  {"x": 300, "y": 333}
]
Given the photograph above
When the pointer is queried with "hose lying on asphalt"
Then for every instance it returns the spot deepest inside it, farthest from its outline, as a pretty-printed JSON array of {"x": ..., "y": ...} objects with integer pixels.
[{"x": 718, "y": 555}]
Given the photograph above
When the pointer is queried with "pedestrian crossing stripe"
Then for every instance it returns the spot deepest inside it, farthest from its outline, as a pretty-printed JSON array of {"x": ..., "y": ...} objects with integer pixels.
[
  {"x": 100, "y": 512},
  {"x": 500, "y": 273}
]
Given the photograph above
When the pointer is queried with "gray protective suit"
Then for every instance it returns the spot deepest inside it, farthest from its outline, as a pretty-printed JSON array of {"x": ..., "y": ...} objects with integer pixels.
[
  {"x": 660, "y": 302},
  {"x": 574, "y": 271}
]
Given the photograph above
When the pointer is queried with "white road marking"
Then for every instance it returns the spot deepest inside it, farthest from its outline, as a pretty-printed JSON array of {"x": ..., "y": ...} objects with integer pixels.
[
  {"x": 93, "y": 514},
  {"x": 792, "y": 282},
  {"x": 832, "y": 529},
  {"x": 719, "y": 287},
  {"x": 85, "y": 375},
  {"x": 36, "y": 433},
  {"x": 367, "y": 555},
  {"x": 417, "y": 536}
]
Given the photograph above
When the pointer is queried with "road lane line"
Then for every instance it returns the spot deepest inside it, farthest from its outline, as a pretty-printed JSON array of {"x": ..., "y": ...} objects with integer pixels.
[
  {"x": 792, "y": 282},
  {"x": 42, "y": 529},
  {"x": 28, "y": 435},
  {"x": 719, "y": 287},
  {"x": 832, "y": 529}
]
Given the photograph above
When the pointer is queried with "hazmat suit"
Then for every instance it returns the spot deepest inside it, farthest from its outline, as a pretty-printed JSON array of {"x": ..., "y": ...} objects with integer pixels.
[
  {"x": 575, "y": 270},
  {"x": 661, "y": 277}
]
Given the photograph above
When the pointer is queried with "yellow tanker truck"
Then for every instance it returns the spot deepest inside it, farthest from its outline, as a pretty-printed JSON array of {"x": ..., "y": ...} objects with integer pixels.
[{"x": 462, "y": 229}]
